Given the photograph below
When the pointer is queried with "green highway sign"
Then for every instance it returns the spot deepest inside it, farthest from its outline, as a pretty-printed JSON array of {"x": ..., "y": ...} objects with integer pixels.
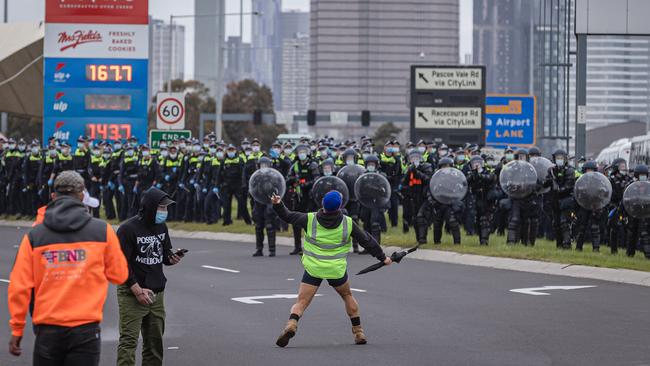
[{"x": 155, "y": 136}]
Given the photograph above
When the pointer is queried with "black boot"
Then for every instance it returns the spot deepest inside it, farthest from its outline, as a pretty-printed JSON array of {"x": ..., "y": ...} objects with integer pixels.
[
  {"x": 259, "y": 242},
  {"x": 271, "y": 237},
  {"x": 297, "y": 241}
]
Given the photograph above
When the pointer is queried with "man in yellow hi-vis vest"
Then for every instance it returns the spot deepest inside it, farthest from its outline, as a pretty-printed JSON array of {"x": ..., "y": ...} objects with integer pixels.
[{"x": 328, "y": 239}]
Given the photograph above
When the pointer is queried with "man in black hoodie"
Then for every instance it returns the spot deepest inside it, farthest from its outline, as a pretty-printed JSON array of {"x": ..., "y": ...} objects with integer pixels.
[
  {"x": 328, "y": 240},
  {"x": 146, "y": 245}
]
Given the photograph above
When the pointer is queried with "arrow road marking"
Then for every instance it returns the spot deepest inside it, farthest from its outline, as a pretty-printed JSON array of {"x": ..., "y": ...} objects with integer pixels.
[
  {"x": 421, "y": 115},
  {"x": 3, "y": 280},
  {"x": 254, "y": 299},
  {"x": 421, "y": 76},
  {"x": 221, "y": 269},
  {"x": 536, "y": 291}
]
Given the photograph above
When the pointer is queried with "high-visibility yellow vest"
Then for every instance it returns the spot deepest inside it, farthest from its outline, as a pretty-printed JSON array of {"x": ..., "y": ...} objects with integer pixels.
[{"x": 326, "y": 250}]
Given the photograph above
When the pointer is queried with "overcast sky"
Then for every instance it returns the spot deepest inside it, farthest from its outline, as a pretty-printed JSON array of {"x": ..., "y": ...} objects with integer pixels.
[{"x": 33, "y": 10}]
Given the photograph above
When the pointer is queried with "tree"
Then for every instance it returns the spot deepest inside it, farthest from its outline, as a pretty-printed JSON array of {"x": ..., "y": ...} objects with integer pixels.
[
  {"x": 247, "y": 96},
  {"x": 385, "y": 132},
  {"x": 197, "y": 101}
]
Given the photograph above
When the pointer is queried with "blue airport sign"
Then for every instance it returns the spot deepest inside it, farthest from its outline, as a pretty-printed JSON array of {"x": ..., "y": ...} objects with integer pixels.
[{"x": 510, "y": 120}]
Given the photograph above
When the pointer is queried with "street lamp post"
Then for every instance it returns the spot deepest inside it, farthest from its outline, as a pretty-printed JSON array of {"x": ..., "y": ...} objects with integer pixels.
[{"x": 220, "y": 36}]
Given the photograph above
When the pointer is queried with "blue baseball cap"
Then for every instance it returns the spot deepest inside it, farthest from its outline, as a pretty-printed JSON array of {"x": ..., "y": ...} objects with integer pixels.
[{"x": 332, "y": 201}]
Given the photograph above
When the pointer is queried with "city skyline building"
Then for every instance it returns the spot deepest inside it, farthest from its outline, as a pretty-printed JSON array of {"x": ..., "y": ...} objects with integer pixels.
[
  {"x": 503, "y": 42},
  {"x": 362, "y": 50},
  {"x": 208, "y": 38},
  {"x": 295, "y": 74},
  {"x": 160, "y": 50}
]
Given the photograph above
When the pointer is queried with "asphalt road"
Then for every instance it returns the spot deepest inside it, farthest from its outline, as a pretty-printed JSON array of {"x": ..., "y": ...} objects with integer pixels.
[{"x": 414, "y": 313}]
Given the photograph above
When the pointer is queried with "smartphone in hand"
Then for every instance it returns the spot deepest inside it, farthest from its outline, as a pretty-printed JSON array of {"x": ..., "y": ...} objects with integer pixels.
[{"x": 181, "y": 252}]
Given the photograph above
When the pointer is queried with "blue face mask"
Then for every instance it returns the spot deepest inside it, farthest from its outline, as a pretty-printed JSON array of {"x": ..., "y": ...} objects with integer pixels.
[{"x": 161, "y": 217}]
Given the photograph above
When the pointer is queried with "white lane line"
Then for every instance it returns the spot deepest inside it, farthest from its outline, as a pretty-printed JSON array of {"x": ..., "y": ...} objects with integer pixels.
[
  {"x": 290, "y": 279},
  {"x": 221, "y": 269},
  {"x": 3, "y": 280},
  {"x": 357, "y": 290}
]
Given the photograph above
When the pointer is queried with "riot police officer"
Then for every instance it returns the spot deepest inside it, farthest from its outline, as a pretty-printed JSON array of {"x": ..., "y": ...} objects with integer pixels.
[
  {"x": 191, "y": 168},
  {"x": 95, "y": 170},
  {"x": 127, "y": 182},
  {"x": 638, "y": 230},
  {"x": 436, "y": 213},
  {"x": 31, "y": 167},
  {"x": 213, "y": 199},
  {"x": 171, "y": 172},
  {"x": 562, "y": 180},
  {"x": 588, "y": 218},
  {"x": 619, "y": 179},
  {"x": 231, "y": 177},
  {"x": 391, "y": 165},
  {"x": 13, "y": 163},
  {"x": 302, "y": 176},
  {"x": 147, "y": 171},
  {"x": 265, "y": 218},
  {"x": 45, "y": 171},
  {"x": 524, "y": 213},
  {"x": 480, "y": 183},
  {"x": 372, "y": 217},
  {"x": 413, "y": 188}
]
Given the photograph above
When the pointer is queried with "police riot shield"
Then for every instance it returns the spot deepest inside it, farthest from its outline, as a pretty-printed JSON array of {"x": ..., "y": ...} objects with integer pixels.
[
  {"x": 323, "y": 185},
  {"x": 592, "y": 191},
  {"x": 542, "y": 166},
  {"x": 636, "y": 200},
  {"x": 372, "y": 190},
  {"x": 448, "y": 185},
  {"x": 349, "y": 174},
  {"x": 264, "y": 183},
  {"x": 518, "y": 179}
]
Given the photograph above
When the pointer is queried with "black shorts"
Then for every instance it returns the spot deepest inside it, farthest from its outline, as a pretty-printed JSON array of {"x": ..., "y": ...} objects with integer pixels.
[{"x": 315, "y": 281}]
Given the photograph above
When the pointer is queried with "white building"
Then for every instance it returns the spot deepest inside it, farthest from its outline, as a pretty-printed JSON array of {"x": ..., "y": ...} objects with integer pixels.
[
  {"x": 295, "y": 74},
  {"x": 165, "y": 61}
]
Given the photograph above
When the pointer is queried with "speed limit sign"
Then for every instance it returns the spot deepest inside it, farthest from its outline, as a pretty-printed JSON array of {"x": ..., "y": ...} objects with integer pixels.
[{"x": 170, "y": 111}]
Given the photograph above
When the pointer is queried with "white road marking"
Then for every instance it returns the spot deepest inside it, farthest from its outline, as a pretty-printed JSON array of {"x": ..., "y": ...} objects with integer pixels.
[
  {"x": 15, "y": 246},
  {"x": 173, "y": 348},
  {"x": 289, "y": 279},
  {"x": 221, "y": 269},
  {"x": 3, "y": 280},
  {"x": 254, "y": 299},
  {"x": 357, "y": 290},
  {"x": 536, "y": 291}
]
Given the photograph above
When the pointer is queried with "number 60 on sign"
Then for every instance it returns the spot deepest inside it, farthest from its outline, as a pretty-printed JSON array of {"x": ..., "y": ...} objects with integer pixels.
[{"x": 170, "y": 111}]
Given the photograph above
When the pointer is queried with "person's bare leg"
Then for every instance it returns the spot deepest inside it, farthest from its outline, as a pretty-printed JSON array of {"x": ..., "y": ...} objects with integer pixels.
[
  {"x": 306, "y": 294},
  {"x": 352, "y": 308}
]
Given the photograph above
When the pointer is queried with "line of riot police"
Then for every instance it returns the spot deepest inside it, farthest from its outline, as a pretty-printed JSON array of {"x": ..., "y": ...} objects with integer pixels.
[{"x": 522, "y": 193}]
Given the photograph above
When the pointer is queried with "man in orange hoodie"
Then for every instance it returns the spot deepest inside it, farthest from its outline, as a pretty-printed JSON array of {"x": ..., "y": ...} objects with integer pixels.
[{"x": 67, "y": 261}]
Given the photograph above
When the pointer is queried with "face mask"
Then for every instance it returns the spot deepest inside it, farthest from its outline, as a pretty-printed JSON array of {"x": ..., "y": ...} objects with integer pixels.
[
  {"x": 212, "y": 150},
  {"x": 335, "y": 153},
  {"x": 256, "y": 148},
  {"x": 460, "y": 158},
  {"x": 421, "y": 149},
  {"x": 643, "y": 178},
  {"x": 164, "y": 153},
  {"x": 161, "y": 216},
  {"x": 323, "y": 153},
  {"x": 247, "y": 152},
  {"x": 510, "y": 157},
  {"x": 52, "y": 152},
  {"x": 442, "y": 153},
  {"x": 231, "y": 154},
  {"x": 262, "y": 166},
  {"x": 206, "y": 146},
  {"x": 492, "y": 162},
  {"x": 65, "y": 151},
  {"x": 623, "y": 171},
  {"x": 559, "y": 162},
  {"x": 129, "y": 153},
  {"x": 327, "y": 172},
  {"x": 287, "y": 151},
  {"x": 219, "y": 155},
  {"x": 34, "y": 150},
  {"x": 145, "y": 154},
  {"x": 163, "y": 145},
  {"x": 106, "y": 156},
  {"x": 349, "y": 162},
  {"x": 118, "y": 146},
  {"x": 302, "y": 156},
  {"x": 245, "y": 146},
  {"x": 96, "y": 152},
  {"x": 370, "y": 168},
  {"x": 313, "y": 147},
  {"x": 12, "y": 146},
  {"x": 21, "y": 147},
  {"x": 196, "y": 148},
  {"x": 173, "y": 155},
  {"x": 182, "y": 145}
]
